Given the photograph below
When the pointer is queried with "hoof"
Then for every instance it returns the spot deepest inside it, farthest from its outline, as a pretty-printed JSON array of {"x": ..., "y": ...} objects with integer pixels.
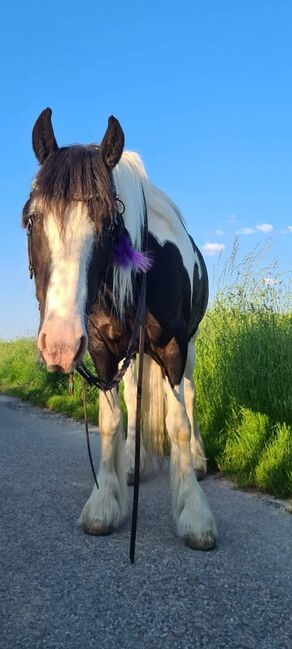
[
  {"x": 203, "y": 543},
  {"x": 97, "y": 529}
]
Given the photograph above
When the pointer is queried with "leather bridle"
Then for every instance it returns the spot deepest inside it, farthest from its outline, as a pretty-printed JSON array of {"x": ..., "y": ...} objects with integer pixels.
[{"x": 29, "y": 246}]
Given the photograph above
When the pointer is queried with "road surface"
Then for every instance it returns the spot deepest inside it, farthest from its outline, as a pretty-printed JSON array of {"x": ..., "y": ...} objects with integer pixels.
[{"x": 61, "y": 589}]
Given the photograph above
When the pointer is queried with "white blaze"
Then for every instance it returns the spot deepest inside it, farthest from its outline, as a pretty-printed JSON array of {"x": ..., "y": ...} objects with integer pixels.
[{"x": 71, "y": 253}]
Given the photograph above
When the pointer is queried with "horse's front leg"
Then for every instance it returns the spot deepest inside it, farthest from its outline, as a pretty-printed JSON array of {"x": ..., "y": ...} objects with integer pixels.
[
  {"x": 130, "y": 397},
  {"x": 194, "y": 520},
  {"x": 107, "y": 506},
  {"x": 197, "y": 445}
]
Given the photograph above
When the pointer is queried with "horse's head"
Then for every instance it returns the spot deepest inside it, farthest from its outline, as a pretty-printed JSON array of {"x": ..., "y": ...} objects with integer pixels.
[{"x": 71, "y": 215}]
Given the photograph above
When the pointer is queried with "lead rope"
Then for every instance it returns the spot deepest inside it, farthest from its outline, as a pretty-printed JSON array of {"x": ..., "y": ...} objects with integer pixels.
[
  {"x": 137, "y": 445},
  {"x": 139, "y": 401},
  {"x": 87, "y": 376},
  {"x": 71, "y": 392},
  {"x": 87, "y": 431},
  {"x": 142, "y": 309},
  {"x": 137, "y": 439}
]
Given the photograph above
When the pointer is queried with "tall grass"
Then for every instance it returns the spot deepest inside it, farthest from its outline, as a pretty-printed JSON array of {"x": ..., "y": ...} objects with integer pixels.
[{"x": 243, "y": 376}]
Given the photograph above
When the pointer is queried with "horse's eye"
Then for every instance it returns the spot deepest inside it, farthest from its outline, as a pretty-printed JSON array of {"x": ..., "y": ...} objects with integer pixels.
[
  {"x": 25, "y": 213},
  {"x": 36, "y": 217}
]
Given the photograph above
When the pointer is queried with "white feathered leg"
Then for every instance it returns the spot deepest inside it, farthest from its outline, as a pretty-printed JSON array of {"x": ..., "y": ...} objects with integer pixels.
[
  {"x": 194, "y": 520},
  {"x": 107, "y": 506},
  {"x": 197, "y": 445},
  {"x": 130, "y": 396}
]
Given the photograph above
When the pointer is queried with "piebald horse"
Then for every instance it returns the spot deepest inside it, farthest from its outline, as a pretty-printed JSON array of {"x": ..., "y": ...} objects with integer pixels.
[{"x": 87, "y": 300}]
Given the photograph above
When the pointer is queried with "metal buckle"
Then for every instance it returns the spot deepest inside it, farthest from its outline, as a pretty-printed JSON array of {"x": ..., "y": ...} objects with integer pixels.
[
  {"x": 28, "y": 232},
  {"x": 120, "y": 203}
]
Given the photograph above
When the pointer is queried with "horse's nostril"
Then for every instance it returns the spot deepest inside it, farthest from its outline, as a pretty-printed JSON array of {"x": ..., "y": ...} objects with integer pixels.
[
  {"x": 42, "y": 342},
  {"x": 55, "y": 368}
]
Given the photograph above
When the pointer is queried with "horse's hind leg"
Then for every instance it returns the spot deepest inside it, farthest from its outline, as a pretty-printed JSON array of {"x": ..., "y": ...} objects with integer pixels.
[
  {"x": 130, "y": 397},
  {"x": 194, "y": 520},
  {"x": 197, "y": 446},
  {"x": 107, "y": 506}
]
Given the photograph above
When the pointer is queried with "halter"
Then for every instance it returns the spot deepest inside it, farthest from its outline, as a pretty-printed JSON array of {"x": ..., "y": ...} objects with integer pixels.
[
  {"x": 91, "y": 379},
  {"x": 29, "y": 242}
]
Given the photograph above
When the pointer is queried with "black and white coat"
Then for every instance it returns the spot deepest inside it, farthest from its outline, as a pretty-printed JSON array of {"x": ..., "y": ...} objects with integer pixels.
[{"x": 68, "y": 260}]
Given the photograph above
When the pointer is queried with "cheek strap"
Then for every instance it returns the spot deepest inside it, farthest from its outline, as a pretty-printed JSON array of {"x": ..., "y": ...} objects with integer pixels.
[{"x": 29, "y": 245}]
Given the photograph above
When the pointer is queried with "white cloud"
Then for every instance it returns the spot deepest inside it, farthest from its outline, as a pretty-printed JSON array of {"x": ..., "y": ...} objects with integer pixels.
[
  {"x": 289, "y": 229},
  {"x": 219, "y": 233},
  {"x": 245, "y": 231},
  {"x": 213, "y": 249},
  {"x": 232, "y": 218},
  {"x": 264, "y": 227}
]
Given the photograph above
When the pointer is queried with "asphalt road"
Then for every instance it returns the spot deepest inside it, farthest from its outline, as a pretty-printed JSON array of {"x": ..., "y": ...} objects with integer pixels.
[{"x": 63, "y": 589}]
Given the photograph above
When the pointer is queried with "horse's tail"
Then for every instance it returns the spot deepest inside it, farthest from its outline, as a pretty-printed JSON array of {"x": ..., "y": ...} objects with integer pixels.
[{"x": 153, "y": 407}]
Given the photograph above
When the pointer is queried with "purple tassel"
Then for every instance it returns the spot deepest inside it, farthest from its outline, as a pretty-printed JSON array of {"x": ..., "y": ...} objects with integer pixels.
[{"x": 126, "y": 257}]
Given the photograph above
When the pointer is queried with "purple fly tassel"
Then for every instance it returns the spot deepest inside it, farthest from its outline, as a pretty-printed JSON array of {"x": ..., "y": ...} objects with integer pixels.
[{"x": 126, "y": 257}]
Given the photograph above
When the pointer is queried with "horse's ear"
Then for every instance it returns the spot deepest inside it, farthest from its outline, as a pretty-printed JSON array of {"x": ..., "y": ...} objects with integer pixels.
[
  {"x": 113, "y": 143},
  {"x": 43, "y": 138}
]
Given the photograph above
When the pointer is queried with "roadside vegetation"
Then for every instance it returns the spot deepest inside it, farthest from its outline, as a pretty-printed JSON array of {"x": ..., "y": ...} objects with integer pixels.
[
  {"x": 243, "y": 377},
  {"x": 21, "y": 375}
]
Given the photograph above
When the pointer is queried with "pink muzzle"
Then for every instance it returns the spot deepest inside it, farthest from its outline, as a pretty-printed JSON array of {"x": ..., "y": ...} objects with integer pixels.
[{"x": 62, "y": 343}]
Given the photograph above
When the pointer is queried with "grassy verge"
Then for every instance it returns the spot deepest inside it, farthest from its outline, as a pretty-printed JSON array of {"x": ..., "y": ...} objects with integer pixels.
[
  {"x": 243, "y": 378},
  {"x": 244, "y": 403},
  {"x": 22, "y": 376}
]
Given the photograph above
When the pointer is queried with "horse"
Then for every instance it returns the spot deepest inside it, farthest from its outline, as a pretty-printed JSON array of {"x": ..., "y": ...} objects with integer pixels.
[{"x": 86, "y": 201}]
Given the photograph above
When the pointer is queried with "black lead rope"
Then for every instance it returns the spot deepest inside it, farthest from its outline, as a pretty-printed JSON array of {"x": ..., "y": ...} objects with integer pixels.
[
  {"x": 137, "y": 446},
  {"x": 139, "y": 325},
  {"x": 137, "y": 438},
  {"x": 87, "y": 432},
  {"x": 92, "y": 380}
]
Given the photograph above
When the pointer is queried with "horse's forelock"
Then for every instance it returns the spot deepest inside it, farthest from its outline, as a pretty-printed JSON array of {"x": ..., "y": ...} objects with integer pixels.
[{"x": 75, "y": 173}]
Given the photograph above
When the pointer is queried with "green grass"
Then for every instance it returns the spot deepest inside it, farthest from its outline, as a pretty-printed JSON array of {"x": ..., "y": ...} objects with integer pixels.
[
  {"x": 22, "y": 376},
  {"x": 243, "y": 377}
]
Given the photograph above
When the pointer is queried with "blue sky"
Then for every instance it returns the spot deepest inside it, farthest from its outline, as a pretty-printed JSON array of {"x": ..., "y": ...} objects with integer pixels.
[{"x": 203, "y": 92}]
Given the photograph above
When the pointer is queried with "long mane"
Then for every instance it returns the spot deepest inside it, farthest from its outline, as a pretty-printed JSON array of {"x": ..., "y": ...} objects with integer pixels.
[{"x": 131, "y": 181}]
